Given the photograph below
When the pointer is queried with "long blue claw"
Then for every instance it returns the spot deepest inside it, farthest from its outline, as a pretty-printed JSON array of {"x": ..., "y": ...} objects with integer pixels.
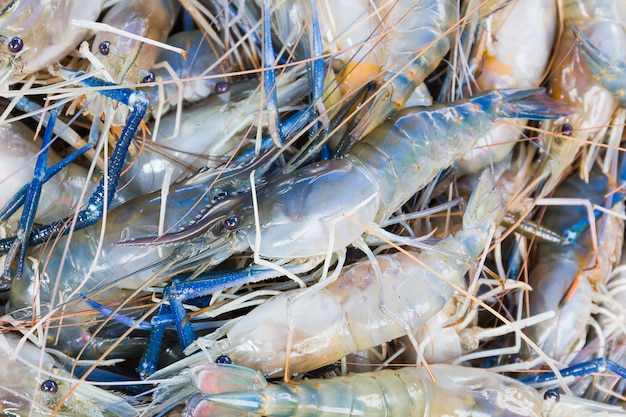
[
  {"x": 105, "y": 191},
  {"x": 573, "y": 233},
  {"x": 174, "y": 312},
  {"x": 581, "y": 369},
  {"x": 31, "y": 201},
  {"x": 120, "y": 318},
  {"x": 148, "y": 363},
  {"x": 317, "y": 84},
  {"x": 269, "y": 78},
  {"x": 18, "y": 199}
]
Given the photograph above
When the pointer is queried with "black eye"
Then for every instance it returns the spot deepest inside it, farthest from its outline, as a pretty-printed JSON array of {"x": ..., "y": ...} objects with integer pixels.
[
  {"x": 149, "y": 78},
  {"x": 223, "y": 359},
  {"x": 15, "y": 45},
  {"x": 219, "y": 195},
  {"x": 104, "y": 48},
  {"x": 552, "y": 395},
  {"x": 222, "y": 87},
  {"x": 49, "y": 386},
  {"x": 232, "y": 222},
  {"x": 567, "y": 129}
]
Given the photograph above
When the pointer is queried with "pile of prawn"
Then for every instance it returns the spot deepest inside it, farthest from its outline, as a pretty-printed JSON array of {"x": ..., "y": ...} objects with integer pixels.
[{"x": 289, "y": 208}]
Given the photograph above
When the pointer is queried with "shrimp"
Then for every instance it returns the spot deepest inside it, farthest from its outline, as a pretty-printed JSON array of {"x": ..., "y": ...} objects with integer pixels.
[
  {"x": 381, "y": 172},
  {"x": 353, "y": 318},
  {"x": 35, "y": 34},
  {"x": 239, "y": 391},
  {"x": 556, "y": 269},
  {"x": 89, "y": 262},
  {"x": 398, "y": 44},
  {"x": 571, "y": 81},
  {"x": 32, "y": 383},
  {"x": 207, "y": 134},
  {"x": 127, "y": 60},
  {"x": 518, "y": 38}
]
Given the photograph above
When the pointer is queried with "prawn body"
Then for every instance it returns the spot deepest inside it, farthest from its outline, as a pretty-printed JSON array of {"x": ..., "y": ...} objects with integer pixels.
[
  {"x": 572, "y": 82},
  {"x": 397, "y": 44},
  {"x": 236, "y": 391},
  {"x": 557, "y": 267},
  {"x": 352, "y": 317},
  {"x": 518, "y": 39},
  {"x": 381, "y": 172}
]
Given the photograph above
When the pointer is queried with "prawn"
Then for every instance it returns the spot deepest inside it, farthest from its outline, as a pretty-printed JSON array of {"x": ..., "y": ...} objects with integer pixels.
[
  {"x": 240, "y": 391},
  {"x": 29, "y": 43},
  {"x": 127, "y": 60},
  {"x": 571, "y": 81},
  {"x": 32, "y": 383},
  {"x": 397, "y": 44},
  {"x": 354, "y": 305},
  {"x": 558, "y": 269},
  {"x": 207, "y": 135},
  {"x": 605, "y": 60},
  {"x": 380, "y": 173},
  {"x": 514, "y": 47}
]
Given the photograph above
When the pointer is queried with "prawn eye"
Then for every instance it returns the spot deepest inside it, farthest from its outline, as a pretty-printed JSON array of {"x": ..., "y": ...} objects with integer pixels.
[
  {"x": 104, "y": 48},
  {"x": 49, "y": 386},
  {"x": 224, "y": 359},
  {"x": 222, "y": 87},
  {"x": 552, "y": 395},
  {"x": 219, "y": 195},
  {"x": 15, "y": 45},
  {"x": 232, "y": 222},
  {"x": 149, "y": 78},
  {"x": 567, "y": 129}
]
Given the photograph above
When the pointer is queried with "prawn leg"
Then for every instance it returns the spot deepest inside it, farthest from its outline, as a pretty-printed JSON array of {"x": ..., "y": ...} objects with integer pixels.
[
  {"x": 174, "y": 312},
  {"x": 31, "y": 201},
  {"x": 316, "y": 69},
  {"x": 581, "y": 369},
  {"x": 573, "y": 233},
  {"x": 18, "y": 199},
  {"x": 105, "y": 191}
]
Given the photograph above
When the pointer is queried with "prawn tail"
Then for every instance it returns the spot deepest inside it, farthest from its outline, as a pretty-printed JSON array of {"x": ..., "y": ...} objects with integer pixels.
[
  {"x": 533, "y": 103},
  {"x": 486, "y": 206},
  {"x": 226, "y": 390}
]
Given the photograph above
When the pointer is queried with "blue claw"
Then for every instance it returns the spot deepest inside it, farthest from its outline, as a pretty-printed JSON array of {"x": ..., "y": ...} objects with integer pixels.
[
  {"x": 316, "y": 71},
  {"x": 31, "y": 201},
  {"x": 573, "y": 232},
  {"x": 103, "y": 195},
  {"x": 174, "y": 312},
  {"x": 120, "y": 318},
  {"x": 581, "y": 369},
  {"x": 269, "y": 79},
  {"x": 317, "y": 84},
  {"x": 18, "y": 199}
]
